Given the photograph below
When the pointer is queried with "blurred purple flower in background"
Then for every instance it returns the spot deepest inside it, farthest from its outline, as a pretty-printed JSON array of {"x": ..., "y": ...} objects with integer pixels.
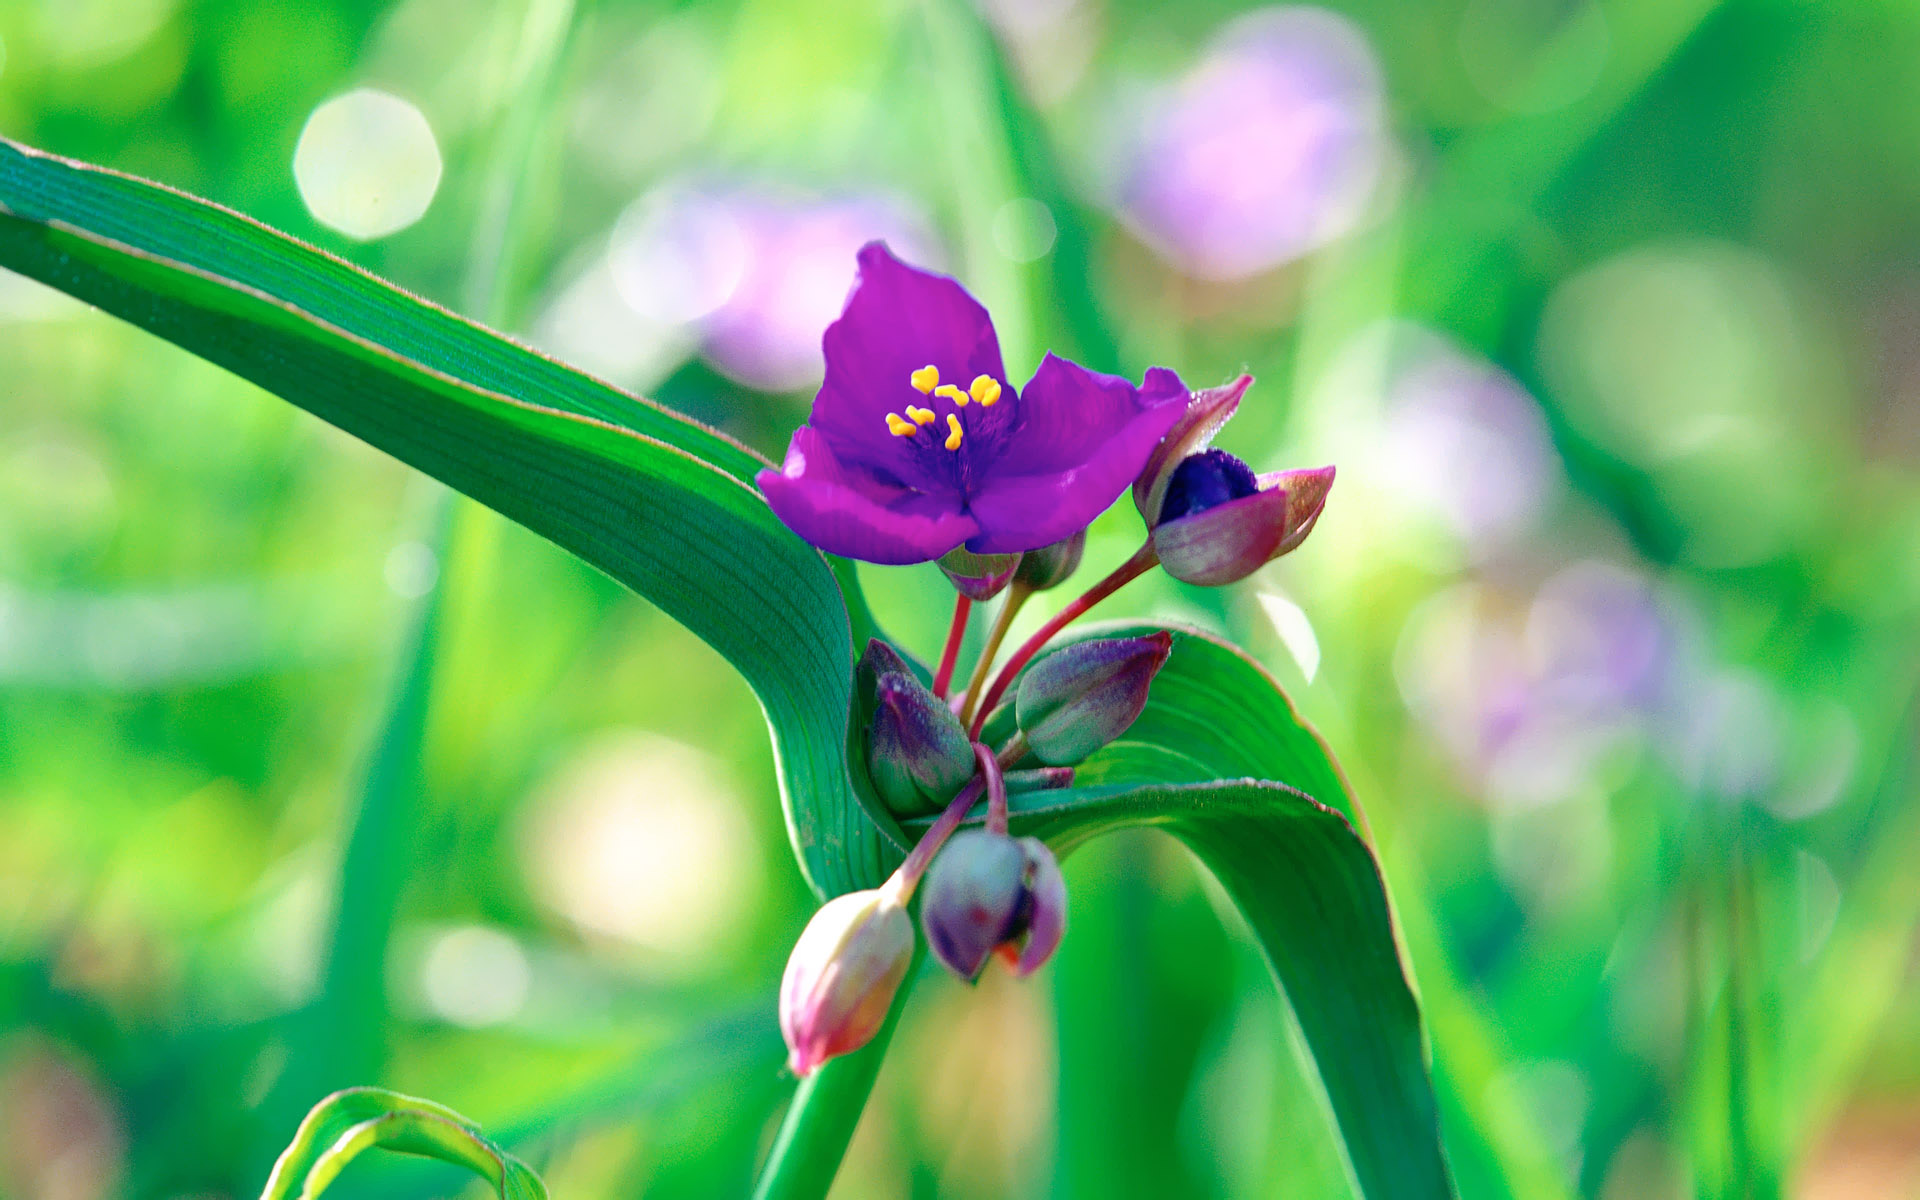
[
  {"x": 1271, "y": 146},
  {"x": 754, "y": 272},
  {"x": 1461, "y": 440}
]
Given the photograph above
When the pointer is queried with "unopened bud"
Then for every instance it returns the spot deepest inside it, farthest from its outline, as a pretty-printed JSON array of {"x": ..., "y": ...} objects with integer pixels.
[
  {"x": 978, "y": 576},
  {"x": 842, "y": 977},
  {"x": 1207, "y": 410},
  {"x": 918, "y": 753},
  {"x": 1049, "y": 566},
  {"x": 1219, "y": 522},
  {"x": 1079, "y": 698},
  {"x": 990, "y": 893}
]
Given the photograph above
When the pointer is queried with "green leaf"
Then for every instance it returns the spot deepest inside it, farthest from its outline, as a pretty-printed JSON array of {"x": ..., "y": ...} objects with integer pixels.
[
  {"x": 659, "y": 502},
  {"x": 1220, "y": 760},
  {"x": 347, "y": 1123}
]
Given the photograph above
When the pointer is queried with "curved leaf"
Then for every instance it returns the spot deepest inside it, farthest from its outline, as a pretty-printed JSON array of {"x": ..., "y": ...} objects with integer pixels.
[
  {"x": 659, "y": 502},
  {"x": 1220, "y": 759},
  {"x": 347, "y": 1123}
]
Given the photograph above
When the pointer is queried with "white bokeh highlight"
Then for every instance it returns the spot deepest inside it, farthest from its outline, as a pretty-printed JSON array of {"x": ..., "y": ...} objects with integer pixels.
[{"x": 367, "y": 164}]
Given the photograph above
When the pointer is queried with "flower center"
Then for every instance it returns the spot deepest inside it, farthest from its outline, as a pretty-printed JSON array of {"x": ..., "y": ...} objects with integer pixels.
[{"x": 984, "y": 391}]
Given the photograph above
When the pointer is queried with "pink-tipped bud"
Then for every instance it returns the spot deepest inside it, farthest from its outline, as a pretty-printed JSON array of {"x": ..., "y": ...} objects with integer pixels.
[
  {"x": 978, "y": 576},
  {"x": 1207, "y": 410},
  {"x": 842, "y": 977},
  {"x": 1050, "y": 566},
  {"x": 1080, "y": 697},
  {"x": 1219, "y": 523},
  {"x": 989, "y": 893}
]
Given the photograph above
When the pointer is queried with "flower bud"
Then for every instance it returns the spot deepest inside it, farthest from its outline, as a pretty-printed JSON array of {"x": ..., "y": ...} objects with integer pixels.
[
  {"x": 1219, "y": 522},
  {"x": 1079, "y": 698},
  {"x": 1049, "y": 566},
  {"x": 988, "y": 892},
  {"x": 978, "y": 576},
  {"x": 918, "y": 753},
  {"x": 842, "y": 976},
  {"x": 1207, "y": 411}
]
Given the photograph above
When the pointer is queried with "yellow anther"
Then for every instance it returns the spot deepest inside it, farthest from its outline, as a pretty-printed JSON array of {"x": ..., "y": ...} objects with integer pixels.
[
  {"x": 952, "y": 393},
  {"x": 920, "y": 416},
  {"x": 900, "y": 426},
  {"x": 953, "y": 431},
  {"x": 985, "y": 389},
  {"x": 926, "y": 378}
]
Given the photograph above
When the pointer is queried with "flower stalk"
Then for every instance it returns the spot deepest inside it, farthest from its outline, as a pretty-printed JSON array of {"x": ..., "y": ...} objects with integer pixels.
[
  {"x": 1017, "y": 595},
  {"x": 950, "y": 656},
  {"x": 1143, "y": 560}
]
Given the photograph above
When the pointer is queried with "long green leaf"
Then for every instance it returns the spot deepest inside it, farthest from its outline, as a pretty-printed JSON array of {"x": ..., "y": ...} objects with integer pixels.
[
  {"x": 1220, "y": 760},
  {"x": 661, "y": 503},
  {"x": 348, "y": 1123}
]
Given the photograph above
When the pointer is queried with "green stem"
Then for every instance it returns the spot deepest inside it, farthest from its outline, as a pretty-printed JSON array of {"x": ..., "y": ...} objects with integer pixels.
[
  {"x": 826, "y": 1109},
  {"x": 1010, "y": 607}
]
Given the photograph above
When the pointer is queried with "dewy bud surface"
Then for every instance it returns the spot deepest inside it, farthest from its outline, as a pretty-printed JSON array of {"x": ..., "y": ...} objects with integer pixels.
[
  {"x": 842, "y": 977},
  {"x": 1078, "y": 698},
  {"x": 988, "y": 892}
]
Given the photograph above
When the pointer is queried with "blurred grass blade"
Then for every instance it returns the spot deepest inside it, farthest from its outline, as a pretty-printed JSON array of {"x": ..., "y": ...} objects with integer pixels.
[
  {"x": 1221, "y": 761},
  {"x": 658, "y": 502},
  {"x": 347, "y": 1123}
]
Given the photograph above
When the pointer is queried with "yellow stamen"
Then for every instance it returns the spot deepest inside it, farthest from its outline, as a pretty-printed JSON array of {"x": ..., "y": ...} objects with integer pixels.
[
  {"x": 900, "y": 426},
  {"x": 952, "y": 393},
  {"x": 985, "y": 389},
  {"x": 953, "y": 431},
  {"x": 920, "y": 416},
  {"x": 926, "y": 378}
]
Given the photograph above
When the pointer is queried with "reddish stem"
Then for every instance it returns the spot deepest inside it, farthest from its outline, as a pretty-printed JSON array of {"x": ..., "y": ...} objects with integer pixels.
[
  {"x": 907, "y": 876},
  {"x": 1143, "y": 560},
  {"x": 949, "y": 657}
]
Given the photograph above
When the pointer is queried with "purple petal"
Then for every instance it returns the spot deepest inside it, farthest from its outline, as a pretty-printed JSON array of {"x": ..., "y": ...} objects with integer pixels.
[
  {"x": 897, "y": 320},
  {"x": 1082, "y": 440},
  {"x": 1048, "y": 922},
  {"x": 849, "y": 511}
]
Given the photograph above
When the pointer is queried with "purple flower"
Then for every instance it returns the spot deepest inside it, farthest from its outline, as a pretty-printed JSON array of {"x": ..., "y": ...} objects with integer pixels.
[
  {"x": 1271, "y": 146},
  {"x": 918, "y": 442}
]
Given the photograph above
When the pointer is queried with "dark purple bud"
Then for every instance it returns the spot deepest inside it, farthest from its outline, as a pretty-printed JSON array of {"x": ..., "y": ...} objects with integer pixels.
[
  {"x": 988, "y": 892},
  {"x": 1049, "y": 566},
  {"x": 1203, "y": 481},
  {"x": 1079, "y": 698},
  {"x": 1212, "y": 531},
  {"x": 918, "y": 753},
  {"x": 978, "y": 576},
  {"x": 1206, "y": 412},
  {"x": 842, "y": 976}
]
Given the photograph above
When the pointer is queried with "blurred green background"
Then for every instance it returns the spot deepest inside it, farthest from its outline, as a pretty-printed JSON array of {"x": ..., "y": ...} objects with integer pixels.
[{"x": 1608, "y": 312}]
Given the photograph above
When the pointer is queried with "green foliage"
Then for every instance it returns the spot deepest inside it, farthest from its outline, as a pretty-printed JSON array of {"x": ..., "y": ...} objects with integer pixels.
[
  {"x": 351, "y": 1122},
  {"x": 632, "y": 497},
  {"x": 657, "y": 501}
]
